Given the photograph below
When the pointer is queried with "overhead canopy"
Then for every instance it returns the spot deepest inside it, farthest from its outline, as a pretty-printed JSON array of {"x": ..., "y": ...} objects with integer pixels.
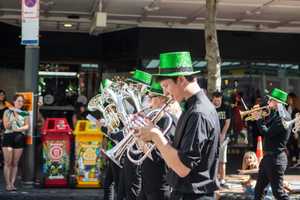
[{"x": 79, "y": 15}]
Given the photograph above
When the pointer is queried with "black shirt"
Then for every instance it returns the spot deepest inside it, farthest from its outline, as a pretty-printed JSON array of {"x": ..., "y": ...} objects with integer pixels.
[
  {"x": 275, "y": 135},
  {"x": 224, "y": 114},
  {"x": 154, "y": 171},
  {"x": 197, "y": 142}
]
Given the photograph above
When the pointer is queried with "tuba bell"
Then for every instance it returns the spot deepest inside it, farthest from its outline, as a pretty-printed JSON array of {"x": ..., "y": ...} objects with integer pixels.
[{"x": 101, "y": 103}]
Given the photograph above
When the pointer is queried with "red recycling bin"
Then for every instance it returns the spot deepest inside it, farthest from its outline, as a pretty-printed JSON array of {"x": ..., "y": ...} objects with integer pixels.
[{"x": 56, "y": 139}]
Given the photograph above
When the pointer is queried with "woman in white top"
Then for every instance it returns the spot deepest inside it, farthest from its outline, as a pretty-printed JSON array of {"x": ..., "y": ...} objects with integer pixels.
[{"x": 15, "y": 124}]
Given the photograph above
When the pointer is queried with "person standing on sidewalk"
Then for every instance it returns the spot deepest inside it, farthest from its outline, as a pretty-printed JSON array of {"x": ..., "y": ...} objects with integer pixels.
[
  {"x": 4, "y": 105},
  {"x": 276, "y": 135},
  {"x": 15, "y": 126},
  {"x": 224, "y": 118}
]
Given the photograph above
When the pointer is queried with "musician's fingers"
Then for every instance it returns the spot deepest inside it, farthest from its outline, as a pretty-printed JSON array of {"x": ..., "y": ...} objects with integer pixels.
[
  {"x": 137, "y": 133},
  {"x": 136, "y": 124},
  {"x": 141, "y": 120},
  {"x": 256, "y": 106}
]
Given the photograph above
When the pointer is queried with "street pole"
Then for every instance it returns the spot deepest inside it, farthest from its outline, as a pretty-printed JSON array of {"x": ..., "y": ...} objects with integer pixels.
[{"x": 32, "y": 58}]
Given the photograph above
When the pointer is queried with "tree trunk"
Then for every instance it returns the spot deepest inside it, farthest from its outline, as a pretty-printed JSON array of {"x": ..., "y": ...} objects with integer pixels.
[{"x": 212, "y": 49}]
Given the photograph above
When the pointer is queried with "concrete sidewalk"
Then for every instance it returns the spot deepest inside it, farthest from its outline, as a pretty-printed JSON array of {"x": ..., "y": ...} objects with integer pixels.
[
  {"x": 234, "y": 192},
  {"x": 52, "y": 194},
  {"x": 36, "y": 193}
]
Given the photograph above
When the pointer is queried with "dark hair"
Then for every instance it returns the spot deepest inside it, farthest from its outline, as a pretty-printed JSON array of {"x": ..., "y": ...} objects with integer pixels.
[
  {"x": 3, "y": 92},
  {"x": 292, "y": 95},
  {"x": 174, "y": 78},
  {"x": 16, "y": 96},
  {"x": 78, "y": 105},
  {"x": 217, "y": 94}
]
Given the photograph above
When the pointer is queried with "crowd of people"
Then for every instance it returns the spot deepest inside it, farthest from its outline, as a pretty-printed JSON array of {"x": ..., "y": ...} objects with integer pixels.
[
  {"x": 191, "y": 134},
  {"x": 195, "y": 158}
]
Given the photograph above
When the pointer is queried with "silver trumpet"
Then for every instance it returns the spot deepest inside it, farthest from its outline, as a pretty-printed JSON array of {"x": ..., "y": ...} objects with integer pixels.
[
  {"x": 115, "y": 154},
  {"x": 129, "y": 141},
  {"x": 149, "y": 146}
]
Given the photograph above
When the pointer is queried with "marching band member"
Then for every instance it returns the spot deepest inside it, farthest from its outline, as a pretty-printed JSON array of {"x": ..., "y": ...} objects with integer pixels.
[
  {"x": 154, "y": 185},
  {"x": 275, "y": 139},
  {"x": 112, "y": 171},
  {"x": 130, "y": 177},
  {"x": 193, "y": 156}
]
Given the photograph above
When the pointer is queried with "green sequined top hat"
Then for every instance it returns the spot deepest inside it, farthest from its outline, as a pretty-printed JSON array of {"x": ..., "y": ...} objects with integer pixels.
[
  {"x": 278, "y": 95},
  {"x": 104, "y": 84},
  {"x": 176, "y": 64},
  {"x": 156, "y": 89},
  {"x": 141, "y": 77}
]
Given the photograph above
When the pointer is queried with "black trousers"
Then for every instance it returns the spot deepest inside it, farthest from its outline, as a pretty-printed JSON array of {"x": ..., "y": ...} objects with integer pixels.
[
  {"x": 156, "y": 195},
  {"x": 111, "y": 181},
  {"x": 271, "y": 170},
  {"x": 181, "y": 196},
  {"x": 293, "y": 149},
  {"x": 130, "y": 181}
]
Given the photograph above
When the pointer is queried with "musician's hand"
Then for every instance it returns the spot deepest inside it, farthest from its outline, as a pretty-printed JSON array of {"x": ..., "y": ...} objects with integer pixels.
[
  {"x": 240, "y": 171},
  {"x": 147, "y": 131},
  {"x": 100, "y": 123}
]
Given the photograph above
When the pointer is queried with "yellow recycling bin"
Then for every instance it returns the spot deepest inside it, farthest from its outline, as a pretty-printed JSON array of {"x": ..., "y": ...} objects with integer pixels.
[{"x": 88, "y": 158}]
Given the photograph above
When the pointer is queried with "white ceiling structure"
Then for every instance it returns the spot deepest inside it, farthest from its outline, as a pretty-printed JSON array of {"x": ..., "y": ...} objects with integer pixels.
[{"x": 240, "y": 15}]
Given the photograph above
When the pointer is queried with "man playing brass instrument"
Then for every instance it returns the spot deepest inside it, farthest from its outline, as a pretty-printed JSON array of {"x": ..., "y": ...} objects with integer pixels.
[
  {"x": 130, "y": 176},
  {"x": 276, "y": 135},
  {"x": 154, "y": 185},
  {"x": 193, "y": 156}
]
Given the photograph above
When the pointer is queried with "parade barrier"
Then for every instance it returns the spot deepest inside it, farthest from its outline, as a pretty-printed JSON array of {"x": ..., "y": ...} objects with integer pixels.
[
  {"x": 56, "y": 140},
  {"x": 88, "y": 160}
]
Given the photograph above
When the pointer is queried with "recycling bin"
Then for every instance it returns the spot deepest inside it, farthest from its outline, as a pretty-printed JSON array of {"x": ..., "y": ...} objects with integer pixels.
[
  {"x": 56, "y": 145},
  {"x": 89, "y": 161}
]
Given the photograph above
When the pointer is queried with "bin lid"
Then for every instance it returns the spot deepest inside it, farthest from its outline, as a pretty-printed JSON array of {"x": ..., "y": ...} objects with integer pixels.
[
  {"x": 84, "y": 127},
  {"x": 56, "y": 125}
]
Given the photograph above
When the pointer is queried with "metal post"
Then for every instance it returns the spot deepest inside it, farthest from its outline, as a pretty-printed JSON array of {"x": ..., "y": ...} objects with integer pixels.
[
  {"x": 31, "y": 85},
  {"x": 284, "y": 83}
]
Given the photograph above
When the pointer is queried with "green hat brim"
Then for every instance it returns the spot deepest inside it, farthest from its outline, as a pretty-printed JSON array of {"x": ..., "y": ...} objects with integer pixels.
[
  {"x": 136, "y": 81},
  {"x": 152, "y": 91},
  {"x": 277, "y": 100},
  {"x": 172, "y": 74}
]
